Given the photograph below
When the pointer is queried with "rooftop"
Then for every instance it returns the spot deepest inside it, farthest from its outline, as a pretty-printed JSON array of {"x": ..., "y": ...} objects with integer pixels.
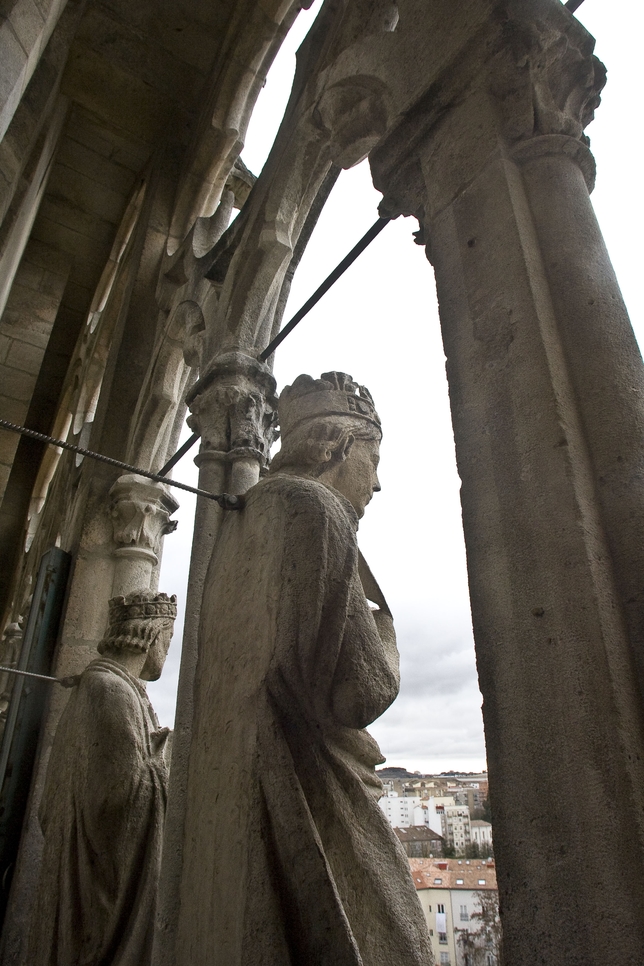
[
  {"x": 476, "y": 874},
  {"x": 418, "y": 833}
]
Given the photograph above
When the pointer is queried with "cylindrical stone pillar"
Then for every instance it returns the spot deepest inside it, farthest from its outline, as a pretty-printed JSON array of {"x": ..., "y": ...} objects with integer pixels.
[
  {"x": 602, "y": 355},
  {"x": 561, "y": 705},
  {"x": 233, "y": 408},
  {"x": 212, "y": 478},
  {"x": 546, "y": 386},
  {"x": 245, "y": 469}
]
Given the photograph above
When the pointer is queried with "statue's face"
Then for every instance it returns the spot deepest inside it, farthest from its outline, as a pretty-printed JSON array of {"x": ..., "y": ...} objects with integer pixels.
[
  {"x": 356, "y": 476},
  {"x": 156, "y": 656}
]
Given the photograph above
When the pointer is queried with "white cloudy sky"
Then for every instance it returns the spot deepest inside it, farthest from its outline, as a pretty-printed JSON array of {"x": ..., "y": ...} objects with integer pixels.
[{"x": 380, "y": 323}]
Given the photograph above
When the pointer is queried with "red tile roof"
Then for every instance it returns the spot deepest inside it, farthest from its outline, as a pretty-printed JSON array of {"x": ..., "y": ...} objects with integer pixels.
[{"x": 425, "y": 872}]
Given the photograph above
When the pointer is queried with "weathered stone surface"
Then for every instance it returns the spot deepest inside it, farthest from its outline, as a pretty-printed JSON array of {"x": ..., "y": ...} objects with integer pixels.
[
  {"x": 141, "y": 512},
  {"x": 24, "y": 33},
  {"x": 103, "y": 805},
  {"x": 9, "y": 654},
  {"x": 24, "y": 356},
  {"x": 233, "y": 408},
  {"x": 282, "y": 816},
  {"x": 546, "y": 383},
  {"x": 473, "y": 114}
]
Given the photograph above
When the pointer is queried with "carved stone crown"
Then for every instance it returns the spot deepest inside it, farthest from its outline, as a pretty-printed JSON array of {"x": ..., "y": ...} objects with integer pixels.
[
  {"x": 141, "y": 605},
  {"x": 133, "y": 621},
  {"x": 333, "y": 394}
]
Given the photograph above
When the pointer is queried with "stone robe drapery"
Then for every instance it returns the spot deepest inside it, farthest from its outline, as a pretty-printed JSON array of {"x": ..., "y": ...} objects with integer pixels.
[
  {"x": 288, "y": 858},
  {"x": 102, "y": 815}
]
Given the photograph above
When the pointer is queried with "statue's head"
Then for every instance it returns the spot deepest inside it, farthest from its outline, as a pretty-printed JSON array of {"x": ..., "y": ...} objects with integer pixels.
[
  {"x": 141, "y": 623},
  {"x": 330, "y": 431}
]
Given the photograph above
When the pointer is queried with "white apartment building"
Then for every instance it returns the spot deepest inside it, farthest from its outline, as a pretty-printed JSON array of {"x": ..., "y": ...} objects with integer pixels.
[
  {"x": 441, "y": 815},
  {"x": 456, "y": 827},
  {"x": 403, "y": 812},
  {"x": 400, "y": 810},
  {"x": 481, "y": 832}
]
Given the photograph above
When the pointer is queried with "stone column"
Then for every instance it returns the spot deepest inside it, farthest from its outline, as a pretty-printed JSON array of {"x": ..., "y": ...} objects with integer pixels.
[
  {"x": 140, "y": 510},
  {"x": 546, "y": 386},
  {"x": 234, "y": 409},
  {"x": 25, "y": 29},
  {"x": 604, "y": 359}
]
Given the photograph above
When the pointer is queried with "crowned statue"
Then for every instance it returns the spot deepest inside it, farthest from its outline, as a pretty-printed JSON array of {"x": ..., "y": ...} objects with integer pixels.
[
  {"x": 288, "y": 860},
  {"x": 103, "y": 806}
]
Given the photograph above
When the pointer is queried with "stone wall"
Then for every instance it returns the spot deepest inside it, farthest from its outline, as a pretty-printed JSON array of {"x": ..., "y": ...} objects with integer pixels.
[{"x": 25, "y": 327}]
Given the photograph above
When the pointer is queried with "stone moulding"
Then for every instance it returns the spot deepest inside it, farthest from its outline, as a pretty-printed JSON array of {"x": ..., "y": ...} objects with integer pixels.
[{"x": 140, "y": 511}]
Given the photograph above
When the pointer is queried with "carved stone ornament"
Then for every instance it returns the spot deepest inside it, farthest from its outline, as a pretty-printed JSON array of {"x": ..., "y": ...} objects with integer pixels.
[
  {"x": 134, "y": 618},
  {"x": 333, "y": 394},
  {"x": 234, "y": 409},
  {"x": 531, "y": 75},
  {"x": 103, "y": 806},
  {"x": 293, "y": 665},
  {"x": 141, "y": 511},
  {"x": 546, "y": 78}
]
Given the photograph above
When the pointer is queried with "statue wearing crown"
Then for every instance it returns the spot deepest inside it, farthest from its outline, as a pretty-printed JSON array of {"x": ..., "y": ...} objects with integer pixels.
[
  {"x": 103, "y": 805},
  {"x": 288, "y": 860}
]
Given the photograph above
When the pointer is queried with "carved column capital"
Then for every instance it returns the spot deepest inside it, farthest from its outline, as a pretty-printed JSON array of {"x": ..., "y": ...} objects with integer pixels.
[
  {"x": 234, "y": 409},
  {"x": 557, "y": 145},
  {"x": 535, "y": 77},
  {"x": 140, "y": 511},
  {"x": 545, "y": 78}
]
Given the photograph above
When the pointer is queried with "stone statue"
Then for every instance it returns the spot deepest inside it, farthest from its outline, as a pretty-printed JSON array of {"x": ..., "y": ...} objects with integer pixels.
[
  {"x": 288, "y": 859},
  {"x": 103, "y": 805}
]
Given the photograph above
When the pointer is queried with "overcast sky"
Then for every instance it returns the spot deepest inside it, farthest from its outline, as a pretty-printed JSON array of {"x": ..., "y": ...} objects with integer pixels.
[{"x": 380, "y": 323}]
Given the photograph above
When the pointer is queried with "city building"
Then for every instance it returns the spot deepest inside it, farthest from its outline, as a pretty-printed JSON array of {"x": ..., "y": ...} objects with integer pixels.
[
  {"x": 405, "y": 811},
  {"x": 468, "y": 795},
  {"x": 480, "y": 832},
  {"x": 441, "y": 814},
  {"x": 470, "y": 790},
  {"x": 455, "y": 824},
  {"x": 399, "y": 810},
  {"x": 419, "y": 841},
  {"x": 454, "y": 894}
]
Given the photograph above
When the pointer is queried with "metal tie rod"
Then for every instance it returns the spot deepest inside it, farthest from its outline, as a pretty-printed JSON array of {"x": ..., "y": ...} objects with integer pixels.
[
  {"x": 225, "y": 500},
  {"x": 181, "y": 452},
  {"x": 573, "y": 5},
  {"x": 331, "y": 279},
  {"x": 66, "y": 682}
]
